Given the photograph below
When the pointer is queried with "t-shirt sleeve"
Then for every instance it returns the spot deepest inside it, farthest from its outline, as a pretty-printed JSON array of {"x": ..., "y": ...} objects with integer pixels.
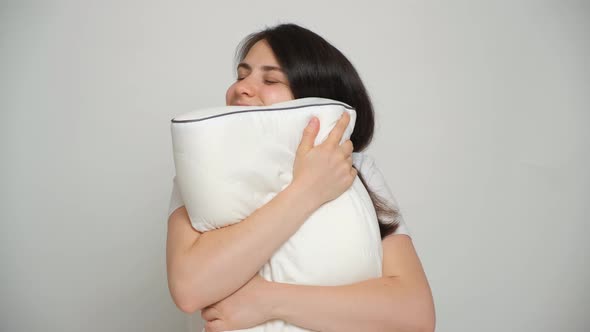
[
  {"x": 377, "y": 183},
  {"x": 175, "y": 198}
]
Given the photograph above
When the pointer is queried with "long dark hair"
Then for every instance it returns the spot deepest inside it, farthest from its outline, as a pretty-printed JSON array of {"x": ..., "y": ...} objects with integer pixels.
[{"x": 315, "y": 68}]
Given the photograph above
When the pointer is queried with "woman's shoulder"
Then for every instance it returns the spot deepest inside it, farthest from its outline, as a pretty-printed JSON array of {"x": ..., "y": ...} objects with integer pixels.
[
  {"x": 363, "y": 162},
  {"x": 375, "y": 180}
]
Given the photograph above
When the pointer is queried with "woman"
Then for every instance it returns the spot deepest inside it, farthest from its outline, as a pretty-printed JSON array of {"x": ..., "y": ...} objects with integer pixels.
[{"x": 216, "y": 271}]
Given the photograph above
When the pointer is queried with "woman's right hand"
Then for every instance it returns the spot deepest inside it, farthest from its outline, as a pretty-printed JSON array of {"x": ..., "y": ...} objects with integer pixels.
[{"x": 324, "y": 171}]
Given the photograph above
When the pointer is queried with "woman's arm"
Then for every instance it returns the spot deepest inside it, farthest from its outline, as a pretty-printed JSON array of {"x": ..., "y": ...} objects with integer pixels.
[
  {"x": 205, "y": 268},
  {"x": 218, "y": 262},
  {"x": 399, "y": 301}
]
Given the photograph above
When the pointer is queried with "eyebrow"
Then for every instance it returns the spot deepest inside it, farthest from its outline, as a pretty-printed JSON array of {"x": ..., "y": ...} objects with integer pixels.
[{"x": 264, "y": 68}]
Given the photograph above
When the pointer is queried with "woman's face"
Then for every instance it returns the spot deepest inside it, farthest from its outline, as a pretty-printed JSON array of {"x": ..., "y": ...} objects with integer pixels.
[{"x": 260, "y": 79}]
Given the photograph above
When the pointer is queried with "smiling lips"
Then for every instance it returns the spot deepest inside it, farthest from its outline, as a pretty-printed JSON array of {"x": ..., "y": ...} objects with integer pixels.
[{"x": 239, "y": 103}]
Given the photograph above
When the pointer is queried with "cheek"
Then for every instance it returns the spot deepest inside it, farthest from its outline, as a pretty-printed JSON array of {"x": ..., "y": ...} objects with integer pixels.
[
  {"x": 228, "y": 94},
  {"x": 274, "y": 95}
]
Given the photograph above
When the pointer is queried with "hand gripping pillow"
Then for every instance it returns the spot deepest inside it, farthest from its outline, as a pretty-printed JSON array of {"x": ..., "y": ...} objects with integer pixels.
[{"x": 232, "y": 160}]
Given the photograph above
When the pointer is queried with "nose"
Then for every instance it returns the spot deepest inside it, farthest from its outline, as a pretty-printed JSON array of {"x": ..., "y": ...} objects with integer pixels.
[{"x": 245, "y": 87}]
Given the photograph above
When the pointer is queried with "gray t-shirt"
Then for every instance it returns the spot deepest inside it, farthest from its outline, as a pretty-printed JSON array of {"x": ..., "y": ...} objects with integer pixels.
[{"x": 363, "y": 162}]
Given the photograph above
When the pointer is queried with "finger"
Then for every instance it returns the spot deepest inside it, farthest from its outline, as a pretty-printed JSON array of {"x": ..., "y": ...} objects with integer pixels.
[
  {"x": 348, "y": 148},
  {"x": 338, "y": 130},
  {"x": 353, "y": 172},
  {"x": 214, "y": 326},
  {"x": 210, "y": 313},
  {"x": 309, "y": 134}
]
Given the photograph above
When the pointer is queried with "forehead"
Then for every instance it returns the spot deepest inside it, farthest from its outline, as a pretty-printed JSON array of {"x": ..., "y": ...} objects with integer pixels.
[{"x": 260, "y": 54}]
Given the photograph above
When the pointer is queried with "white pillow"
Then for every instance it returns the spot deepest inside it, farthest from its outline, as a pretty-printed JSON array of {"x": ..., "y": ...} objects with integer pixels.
[{"x": 232, "y": 160}]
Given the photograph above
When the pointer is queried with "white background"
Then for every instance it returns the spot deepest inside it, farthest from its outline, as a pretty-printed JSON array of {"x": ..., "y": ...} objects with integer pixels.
[{"x": 483, "y": 111}]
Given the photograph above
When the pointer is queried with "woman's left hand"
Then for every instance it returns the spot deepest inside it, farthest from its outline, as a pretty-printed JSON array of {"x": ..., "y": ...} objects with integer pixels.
[{"x": 247, "y": 307}]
